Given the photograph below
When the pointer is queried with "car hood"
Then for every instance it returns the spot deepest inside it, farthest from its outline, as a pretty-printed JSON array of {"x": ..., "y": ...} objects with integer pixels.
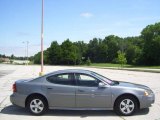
[{"x": 132, "y": 85}]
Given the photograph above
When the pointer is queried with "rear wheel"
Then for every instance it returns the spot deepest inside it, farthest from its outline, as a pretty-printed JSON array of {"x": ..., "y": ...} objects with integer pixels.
[
  {"x": 126, "y": 105},
  {"x": 37, "y": 105}
]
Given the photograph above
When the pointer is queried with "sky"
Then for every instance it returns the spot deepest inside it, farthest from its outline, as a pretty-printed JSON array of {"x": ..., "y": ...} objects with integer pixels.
[{"x": 20, "y": 21}]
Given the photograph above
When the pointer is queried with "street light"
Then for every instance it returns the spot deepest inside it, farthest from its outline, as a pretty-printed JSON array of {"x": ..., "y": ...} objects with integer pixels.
[
  {"x": 41, "y": 73},
  {"x": 26, "y": 51}
]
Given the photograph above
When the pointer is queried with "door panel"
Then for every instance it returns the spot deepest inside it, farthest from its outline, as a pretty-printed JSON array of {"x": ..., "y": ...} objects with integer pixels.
[
  {"x": 61, "y": 95},
  {"x": 60, "y": 90},
  {"x": 89, "y": 95},
  {"x": 93, "y": 97}
]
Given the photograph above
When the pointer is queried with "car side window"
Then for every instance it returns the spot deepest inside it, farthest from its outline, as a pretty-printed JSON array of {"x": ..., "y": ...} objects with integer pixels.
[
  {"x": 63, "y": 79},
  {"x": 86, "y": 80}
]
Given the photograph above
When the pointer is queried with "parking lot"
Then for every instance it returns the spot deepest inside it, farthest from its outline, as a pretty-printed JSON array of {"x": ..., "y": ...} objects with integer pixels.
[{"x": 10, "y": 73}]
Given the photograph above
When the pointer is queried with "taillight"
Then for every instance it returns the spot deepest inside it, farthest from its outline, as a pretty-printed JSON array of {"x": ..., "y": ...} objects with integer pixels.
[{"x": 14, "y": 87}]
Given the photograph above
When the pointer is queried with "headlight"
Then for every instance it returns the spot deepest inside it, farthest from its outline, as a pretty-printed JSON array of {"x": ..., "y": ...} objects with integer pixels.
[{"x": 147, "y": 92}]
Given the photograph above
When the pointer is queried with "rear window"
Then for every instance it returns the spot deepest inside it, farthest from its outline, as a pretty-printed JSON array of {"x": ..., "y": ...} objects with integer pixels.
[{"x": 63, "y": 79}]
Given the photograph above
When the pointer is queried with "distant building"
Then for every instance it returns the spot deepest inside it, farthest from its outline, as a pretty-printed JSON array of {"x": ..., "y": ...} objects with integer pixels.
[
  {"x": 5, "y": 60},
  {"x": 11, "y": 61},
  {"x": 21, "y": 61}
]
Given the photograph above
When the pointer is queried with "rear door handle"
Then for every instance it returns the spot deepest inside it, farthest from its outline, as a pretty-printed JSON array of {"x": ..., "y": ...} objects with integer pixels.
[{"x": 80, "y": 90}]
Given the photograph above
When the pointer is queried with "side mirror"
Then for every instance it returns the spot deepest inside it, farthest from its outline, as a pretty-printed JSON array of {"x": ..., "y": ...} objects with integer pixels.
[{"x": 101, "y": 85}]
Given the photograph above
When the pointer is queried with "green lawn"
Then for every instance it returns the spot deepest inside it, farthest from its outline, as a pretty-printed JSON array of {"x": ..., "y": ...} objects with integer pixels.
[
  {"x": 125, "y": 66},
  {"x": 147, "y": 67},
  {"x": 108, "y": 65}
]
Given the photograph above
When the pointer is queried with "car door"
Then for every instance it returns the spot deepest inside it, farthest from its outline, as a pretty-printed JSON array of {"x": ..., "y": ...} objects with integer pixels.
[
  {"x": 60, "y": 90},
  {"x": 89, "y": 95}
]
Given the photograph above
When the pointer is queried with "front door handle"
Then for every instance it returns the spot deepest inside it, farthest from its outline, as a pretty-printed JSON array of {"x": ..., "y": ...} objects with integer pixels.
[{"x": 49, "y": 88}]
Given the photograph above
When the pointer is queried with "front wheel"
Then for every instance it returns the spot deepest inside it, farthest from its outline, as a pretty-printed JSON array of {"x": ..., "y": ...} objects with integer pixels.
[
  {"x": 126, "y": 105},
  {"x": 37, "y": 105}
]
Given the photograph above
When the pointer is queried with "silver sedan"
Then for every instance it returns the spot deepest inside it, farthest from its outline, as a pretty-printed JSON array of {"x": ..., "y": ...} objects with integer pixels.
[{"x": 80, "y": 90}]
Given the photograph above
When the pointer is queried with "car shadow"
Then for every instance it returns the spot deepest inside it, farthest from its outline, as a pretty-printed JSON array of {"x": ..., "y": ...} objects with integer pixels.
[{"x": 14, "y": 110}]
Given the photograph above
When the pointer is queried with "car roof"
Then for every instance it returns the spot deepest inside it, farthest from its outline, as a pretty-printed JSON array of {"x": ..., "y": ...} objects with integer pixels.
[{"x": 71, "y": 71}]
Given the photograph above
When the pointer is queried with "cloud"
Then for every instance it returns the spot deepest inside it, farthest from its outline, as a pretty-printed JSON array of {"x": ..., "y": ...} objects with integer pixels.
[{"x": 86, "y": 15}]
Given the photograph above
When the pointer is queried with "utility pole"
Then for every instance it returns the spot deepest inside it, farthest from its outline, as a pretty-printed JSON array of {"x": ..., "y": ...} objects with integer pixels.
[{"x": 41, "y": 73}]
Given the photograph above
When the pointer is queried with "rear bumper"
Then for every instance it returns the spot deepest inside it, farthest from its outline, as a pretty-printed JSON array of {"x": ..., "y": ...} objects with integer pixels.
[
  {"x": 147, "y": 101},
  {"x": 18, "y": 99}
]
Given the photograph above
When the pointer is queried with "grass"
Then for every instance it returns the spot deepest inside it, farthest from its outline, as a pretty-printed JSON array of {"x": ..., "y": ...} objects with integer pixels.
[
  {"x": 154, "y": 69},
  {"x": 125, "y": 66},
  {"x": 108, "y": 65},
  {"x": 148, "y": 67}
]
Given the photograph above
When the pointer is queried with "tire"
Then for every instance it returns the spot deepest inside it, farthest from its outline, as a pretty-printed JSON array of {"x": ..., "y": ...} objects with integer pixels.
[
  {"x": 126, "y": 105},
  {"x": 37, "y": 105}
]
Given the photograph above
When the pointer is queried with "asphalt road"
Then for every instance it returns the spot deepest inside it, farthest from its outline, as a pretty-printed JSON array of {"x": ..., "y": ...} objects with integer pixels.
[
  {"x": 10, "y": 73},
  {"x": 5, "y": 72}
]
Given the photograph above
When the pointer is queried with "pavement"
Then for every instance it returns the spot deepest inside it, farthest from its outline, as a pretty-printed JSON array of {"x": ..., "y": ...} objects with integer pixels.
[{"x": 10, "y": 73}]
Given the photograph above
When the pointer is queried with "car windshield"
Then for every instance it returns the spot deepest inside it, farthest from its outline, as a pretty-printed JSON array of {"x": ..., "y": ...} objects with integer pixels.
[{"x": 111, "y": 82}]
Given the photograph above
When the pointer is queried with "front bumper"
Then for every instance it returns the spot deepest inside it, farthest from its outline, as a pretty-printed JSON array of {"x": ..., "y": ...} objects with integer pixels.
[
  {"x": 18, "y": 99},
  {"x": 147, "y": 101}
]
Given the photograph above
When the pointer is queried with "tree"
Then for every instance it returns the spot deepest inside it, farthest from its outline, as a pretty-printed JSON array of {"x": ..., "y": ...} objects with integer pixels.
[
  {"x": 54, "y": 53},
  {"x": 37, "y": 57},
  {"x": 133, "y": 54},
  {"x": 141, "y": 50},
  {"x": 3, "y": 56},
  {"x": 151, "y": 36},
  {"x": 133, "y": 49},
  {"x": 102, "y": 52},
  {"x": 97, "y": 50},
  {"x": 12, "y": 56},
  {"x": 113, "y": 46},
  {"x": 88, "y": 62},
  {"x": 31, "y": 58},
  {"x": 69, "y": 53},
  {"x": 81, "y": 51},
  {"x": 93, "y": 49},
  {"x": 121, "y": 58}
]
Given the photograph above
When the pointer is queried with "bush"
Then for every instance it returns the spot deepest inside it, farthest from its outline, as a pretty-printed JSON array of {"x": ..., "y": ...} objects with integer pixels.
[
  {"x": 121, "y": 58},
  {"x": 88, "y": 61}
]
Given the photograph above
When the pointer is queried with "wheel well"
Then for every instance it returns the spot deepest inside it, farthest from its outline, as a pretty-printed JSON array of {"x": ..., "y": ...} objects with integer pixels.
[
  {"x": 33, "y": 95},
  {"x": 128, "y": 94}
]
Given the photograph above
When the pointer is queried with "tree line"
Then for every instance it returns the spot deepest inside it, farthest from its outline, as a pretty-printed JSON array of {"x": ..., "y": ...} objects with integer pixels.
[
  {"x": 15, "y": 57},
  {"x": 139, "y": 50}
]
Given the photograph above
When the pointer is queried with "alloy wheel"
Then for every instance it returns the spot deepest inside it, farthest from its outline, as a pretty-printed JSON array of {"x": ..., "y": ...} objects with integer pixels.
[
  {"x": 36, "y": 106},
  {"x": 127, "y": 106}
]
